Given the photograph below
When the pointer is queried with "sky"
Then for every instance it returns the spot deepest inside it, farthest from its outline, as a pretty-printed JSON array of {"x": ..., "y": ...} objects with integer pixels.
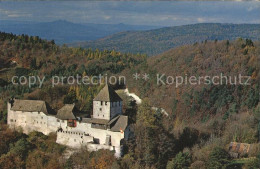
[{"x": 164, "y": 13}]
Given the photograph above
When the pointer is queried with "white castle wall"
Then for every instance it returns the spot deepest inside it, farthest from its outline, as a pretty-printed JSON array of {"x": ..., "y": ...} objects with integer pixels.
[
  {"x": 101, "y": 111},
  {"x": 78, "y": 139},
  {"x": 100, "y": 134},
  {"x": 32, "y": 121},
  {"x": 95, "y": 147},
  {"x": 53, "y": 124},
  {"x": 73, "y": 139}
]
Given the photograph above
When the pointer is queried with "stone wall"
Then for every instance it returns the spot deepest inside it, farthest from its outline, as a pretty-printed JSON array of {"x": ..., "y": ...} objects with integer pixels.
[
  {"x": 95, "y": 147},
  {"x": 73, "y": 139},
  {"x": 116, "y": 109},
  {"x": 99, "y": 134},
  {"x": 101, "y": 110},
  {"x": 106, "y": 110},
  {"x": 78, "y": 140},
  {"x": 32, "y": 121}
]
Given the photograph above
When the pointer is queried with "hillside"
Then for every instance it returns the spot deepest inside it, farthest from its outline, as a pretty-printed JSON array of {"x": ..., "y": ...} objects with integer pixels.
[
  {"x": 156, "y": 41},
  {"x": 201, "y": 101},
  {"x": 25, "y": 55},
  {"x": 203, "y": 119},
  {"x": 67, "y": 32}
]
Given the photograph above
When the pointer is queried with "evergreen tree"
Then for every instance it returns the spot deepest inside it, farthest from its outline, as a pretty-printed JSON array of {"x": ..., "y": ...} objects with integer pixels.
[
  {"x": 181, "y": 161},
  {"x": 70, "y": 98},
  {"x": 218, "y": 158}
]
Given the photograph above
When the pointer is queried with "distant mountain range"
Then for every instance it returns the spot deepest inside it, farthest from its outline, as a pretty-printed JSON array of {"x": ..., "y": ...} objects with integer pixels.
[
  {"x": 156, "y": 41},
  {"x": 67, "y": 32},
  {"x": 151, "y": 40}
]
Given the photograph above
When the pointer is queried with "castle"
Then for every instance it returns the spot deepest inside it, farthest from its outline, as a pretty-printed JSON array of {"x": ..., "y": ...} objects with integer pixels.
[{"x": 106, "y": 129}]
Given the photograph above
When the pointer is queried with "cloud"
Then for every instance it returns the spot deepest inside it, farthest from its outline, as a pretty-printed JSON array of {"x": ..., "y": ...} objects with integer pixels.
[
  {"x": 107, "y": 17},
  {"x": 145, "y": 13},
  {"x": 255, "y": 7},
  {"x": 200, "y": 20},
  {"x": 13, "y": 13}
]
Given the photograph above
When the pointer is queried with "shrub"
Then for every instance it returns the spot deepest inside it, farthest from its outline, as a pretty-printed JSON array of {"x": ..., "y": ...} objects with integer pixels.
[
  {"x": 255, "y": 150},
  {"x": 253, "y": 164},
  {"x": 21, "y": 71},
  {"x": 21, "y": 148},
  {"x": 3, "y": 82},
  {"x": 198, "y": 165}
]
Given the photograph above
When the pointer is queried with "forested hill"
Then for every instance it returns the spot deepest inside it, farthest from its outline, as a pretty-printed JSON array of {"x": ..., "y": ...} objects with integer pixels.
[
  {"x": 25, "y": 55},
  {"x": 201, "y": 101},
  {"x": 156, "y": 41},
  {"x": 67, "y": 32},
  {"x": 202, "y": 120}
]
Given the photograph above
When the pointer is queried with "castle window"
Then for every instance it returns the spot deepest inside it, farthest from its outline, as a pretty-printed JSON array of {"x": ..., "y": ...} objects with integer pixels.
[
  {"x": 100, "y": 109},
  {"x": 72, "y": 123},
  {"x": 96, "y": 140},
  {"x": 101, "y": 103},
  {"x": 11, "y": 120},
  {"x": 15, "y": 121},
  {"x": 38, "y": 112},
  {"x": 105, "y": 103}
]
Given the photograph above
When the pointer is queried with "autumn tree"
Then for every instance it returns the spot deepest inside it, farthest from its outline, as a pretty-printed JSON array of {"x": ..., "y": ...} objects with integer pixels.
[{"x": 102, "y": 159}]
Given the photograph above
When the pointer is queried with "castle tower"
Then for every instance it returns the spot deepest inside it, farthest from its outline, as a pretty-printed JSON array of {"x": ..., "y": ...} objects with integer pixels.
[{"x": 107, "y": 104}]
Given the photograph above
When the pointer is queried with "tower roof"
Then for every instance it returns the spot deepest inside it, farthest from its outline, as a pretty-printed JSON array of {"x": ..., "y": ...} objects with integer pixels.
[{"x": 107, "y": 94}]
